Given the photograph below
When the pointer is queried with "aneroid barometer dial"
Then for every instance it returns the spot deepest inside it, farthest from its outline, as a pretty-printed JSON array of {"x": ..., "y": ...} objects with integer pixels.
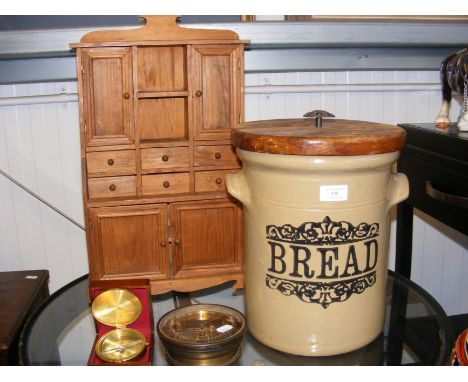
[{"x": 120, "y": 345}]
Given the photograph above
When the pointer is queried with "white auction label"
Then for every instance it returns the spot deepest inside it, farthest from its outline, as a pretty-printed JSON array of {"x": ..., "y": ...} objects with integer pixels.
[
  {"x": 224, "y": 328},
  {"x": 334, "y": 193}
]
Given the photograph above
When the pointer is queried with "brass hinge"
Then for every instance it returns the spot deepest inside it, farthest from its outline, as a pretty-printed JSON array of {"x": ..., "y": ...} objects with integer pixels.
[
  {"x": 82, "y": 70},
  {"x": 85, "y": 126},
  {"x": 238, "y": 64},
  {"x": 90, "y": 224},
  {"x": 240, "y": 118}
]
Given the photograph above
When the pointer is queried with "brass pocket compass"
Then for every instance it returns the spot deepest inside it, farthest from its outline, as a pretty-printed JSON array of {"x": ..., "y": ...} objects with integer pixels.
[{"x": 118, "y": 308}]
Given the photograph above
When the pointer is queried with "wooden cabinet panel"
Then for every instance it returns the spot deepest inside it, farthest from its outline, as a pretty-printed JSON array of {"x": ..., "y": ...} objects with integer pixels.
[
  {"x": 211, "y": 181},
  {"x": 110, "y": 163},
  {"x": 166, "y": 184},
  {"x": 129, "y": 241},
  {"x": 215, "y": 87},
  {"x": 108, "y": 88},
  {"x": 111, "y": 187},
  {"x": 162, "y": 119},
  {"x": 216, "y": 90},
  {"x": 162, "y": 68},
  {"x": 218, "y": 156},
  {"x": 207, "y": 238}
]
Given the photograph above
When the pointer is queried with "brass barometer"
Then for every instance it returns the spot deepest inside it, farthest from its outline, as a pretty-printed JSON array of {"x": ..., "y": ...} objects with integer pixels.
[{"x": 118, "y": 308}]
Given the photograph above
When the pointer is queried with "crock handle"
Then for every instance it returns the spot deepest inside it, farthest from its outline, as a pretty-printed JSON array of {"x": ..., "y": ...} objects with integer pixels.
[
  {"x": 237, "y": 186},
  {"x": 398, "y": 189}
]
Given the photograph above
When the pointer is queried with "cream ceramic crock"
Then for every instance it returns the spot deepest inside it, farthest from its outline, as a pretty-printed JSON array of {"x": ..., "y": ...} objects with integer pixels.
[{"x": 316, "y": 244}]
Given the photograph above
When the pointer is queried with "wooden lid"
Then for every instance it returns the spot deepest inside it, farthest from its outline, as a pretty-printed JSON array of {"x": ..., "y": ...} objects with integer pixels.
[{"x": 302, "y": 137}]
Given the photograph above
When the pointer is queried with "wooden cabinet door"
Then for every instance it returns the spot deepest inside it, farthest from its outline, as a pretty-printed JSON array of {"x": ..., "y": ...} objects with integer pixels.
[
  {"x": 215, "y": 73},
  {"x": 108, "y": 96},
  {"x": 129, "y": 241},
  {"x": 206, "y": 238}
]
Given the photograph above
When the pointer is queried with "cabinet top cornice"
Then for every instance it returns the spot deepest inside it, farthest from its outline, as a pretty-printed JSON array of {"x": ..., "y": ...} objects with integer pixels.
[{"x": 162, "y": 29}]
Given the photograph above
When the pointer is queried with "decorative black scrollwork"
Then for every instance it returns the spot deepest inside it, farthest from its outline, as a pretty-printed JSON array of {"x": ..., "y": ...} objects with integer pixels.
[
  {"x": 324, "y": 232},
  {"x": 320, "y": 292}
]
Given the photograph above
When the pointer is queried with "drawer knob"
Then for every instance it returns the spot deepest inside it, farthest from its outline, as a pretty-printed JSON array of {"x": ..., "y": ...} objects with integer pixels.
[
  {"x": 110, "y": 162},
  {"x": 162, "y": 244},
  {"x": 165, "y": 158},
  {"x": 177, "y": 241},
  {"x": 198, "y": 93},
  {"x": 112, "y": 187},
  {"x": 218, "y": 155},
  {"x": 166, "y": 184},
  {"x": 218, "y": 181},
  {"x": 126, "y": 95}
]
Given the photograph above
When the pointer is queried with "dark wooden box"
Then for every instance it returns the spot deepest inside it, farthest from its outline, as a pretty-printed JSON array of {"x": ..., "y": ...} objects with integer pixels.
[{"x": 21, "y": 292}]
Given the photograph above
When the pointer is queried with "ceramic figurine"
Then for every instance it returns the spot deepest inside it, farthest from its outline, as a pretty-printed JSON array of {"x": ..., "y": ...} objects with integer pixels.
[
  {"x": 460, "y": 350},
  {"x": 454, "y": 77}
]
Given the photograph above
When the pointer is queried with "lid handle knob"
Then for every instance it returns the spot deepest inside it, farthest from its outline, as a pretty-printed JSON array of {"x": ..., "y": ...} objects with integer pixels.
[{"x": 318, "y": 114}]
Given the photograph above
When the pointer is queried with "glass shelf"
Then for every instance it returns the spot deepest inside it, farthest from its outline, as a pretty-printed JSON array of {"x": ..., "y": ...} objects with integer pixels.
[{"x": 416, "y": 332}]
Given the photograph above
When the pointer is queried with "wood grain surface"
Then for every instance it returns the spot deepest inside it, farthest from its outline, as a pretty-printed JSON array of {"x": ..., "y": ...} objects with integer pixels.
[
  {"x": 161, "y": 184},
  {"x": 162, "y": 118},
  {"x": 211, "y": 181},
  {"x": 162, "y": 68},
  {"x": 158, "y": 28},
  {"x": 301, "y": 137},
  {"x": 107, "y": 78},
  {"x": 110, "y": 187},
  {"x": 157, "y": 159},
  {"x": 129, "y": 241},
  {"x": 215, "y": 73},
  {"x": 110, "y": 163},
  {"x": 222, "y": 155},
  {"x": 207, "y": 238}
]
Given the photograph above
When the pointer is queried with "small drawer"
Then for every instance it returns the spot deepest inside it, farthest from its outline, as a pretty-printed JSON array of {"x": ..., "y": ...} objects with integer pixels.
[
  {"x": 111, "y": 187},
  {"x": 438, "y": 190},
  {"x": 110, "y": 163},
  {"x": 215, "y": 156},
  {"x": 164, "y": 158},
  {"x": 433, "y": 184},
  {"x": 211, "y": 181},
  {"x": 166, "y": 184}
]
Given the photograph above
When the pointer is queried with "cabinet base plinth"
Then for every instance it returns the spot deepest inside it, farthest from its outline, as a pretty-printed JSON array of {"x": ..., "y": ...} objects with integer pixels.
[{"x": 193, "y": 284}]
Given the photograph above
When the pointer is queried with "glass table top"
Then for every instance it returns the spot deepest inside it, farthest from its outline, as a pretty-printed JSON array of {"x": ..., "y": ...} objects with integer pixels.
[{"x": 417, "y": 330}]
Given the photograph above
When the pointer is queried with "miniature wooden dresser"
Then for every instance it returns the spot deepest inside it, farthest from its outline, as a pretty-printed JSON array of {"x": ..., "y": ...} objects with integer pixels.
[{"x": 157, "y": 105}]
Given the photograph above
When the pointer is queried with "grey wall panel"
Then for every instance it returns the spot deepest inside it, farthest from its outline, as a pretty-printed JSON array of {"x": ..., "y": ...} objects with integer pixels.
[{"x": 261, "y": 60}]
